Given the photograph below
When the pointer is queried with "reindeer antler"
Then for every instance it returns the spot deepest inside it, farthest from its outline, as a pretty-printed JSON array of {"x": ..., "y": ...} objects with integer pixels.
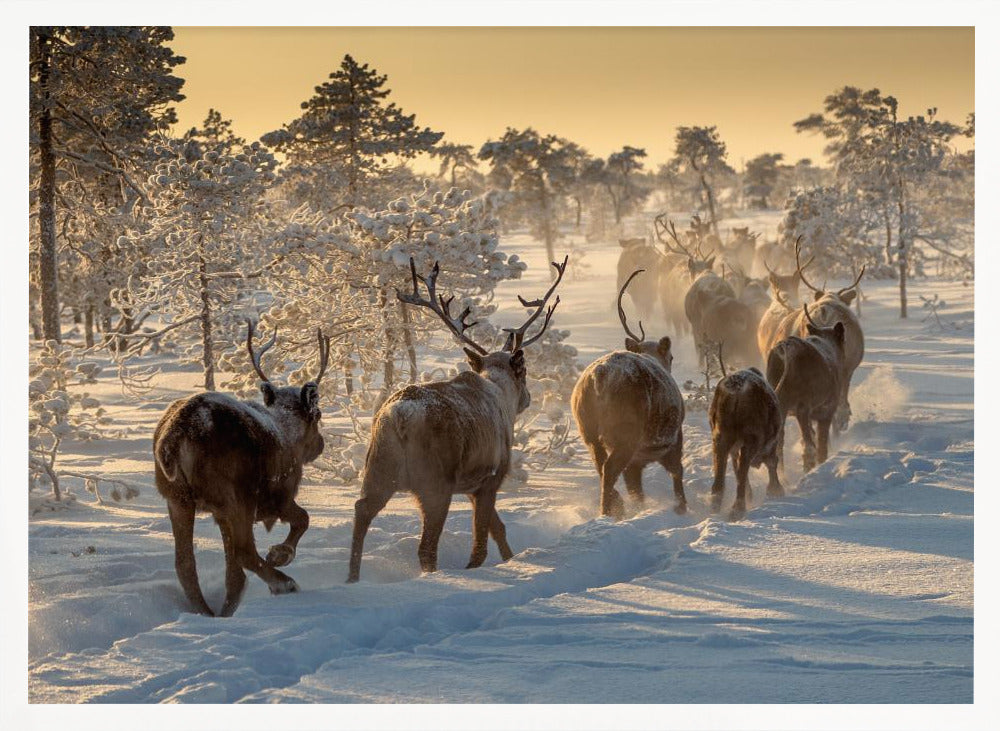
[
  {"x": 856, "y": 281},
  {"x": 255, "y": 357},
  {"x": 669, "y": 228},
  {"x": 621, "y": 310},
  {"x": 801, "y": 269},
  {"x": 324, "y": 354},
  {"x": 440, "y": 306},
  {"x": 805, "y": 309},
  {"x": 515, "y": 336},
  {"x": 722, "y": 366}
]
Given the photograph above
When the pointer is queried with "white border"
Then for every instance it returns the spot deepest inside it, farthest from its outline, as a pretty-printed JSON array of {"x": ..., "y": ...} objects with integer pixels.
[{"x": 19, "y": 14}]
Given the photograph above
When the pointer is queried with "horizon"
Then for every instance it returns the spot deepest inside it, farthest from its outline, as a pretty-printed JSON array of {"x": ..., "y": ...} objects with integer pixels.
[{"x": 752, "y": 93}]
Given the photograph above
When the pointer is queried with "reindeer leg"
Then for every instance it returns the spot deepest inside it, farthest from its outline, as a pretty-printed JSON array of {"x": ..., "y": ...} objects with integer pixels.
[
  {"x": 236, "y": 579},
  {"x": 672, "y": 464},
  {"x": 774, "y": 488},
  {"x": 434, "y": 509},
  {"x": 499, "y": 532},
  {"x": 483, "y": 510},
  {"x": 365, "y": 511},
  {"x": 808, "y": 440},
  {"x": 282, "y": 554},
  {"x": 241, "y": 530},
  {"x": 611, "y": 501},
  {"x": 739, "y": 510},
  {"x": 822, "y": 440},
  {"x": 182, "y": 523},
  {"x": 633, "y": 482},
  {"x": 720, "y": 453}
]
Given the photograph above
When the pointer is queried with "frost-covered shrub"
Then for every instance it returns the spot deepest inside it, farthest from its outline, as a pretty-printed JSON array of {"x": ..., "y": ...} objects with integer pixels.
[{"x": 58, "y": 412}]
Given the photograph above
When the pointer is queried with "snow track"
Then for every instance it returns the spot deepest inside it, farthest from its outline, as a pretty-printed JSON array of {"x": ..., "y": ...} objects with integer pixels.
[{"x": 855, "y": 587}]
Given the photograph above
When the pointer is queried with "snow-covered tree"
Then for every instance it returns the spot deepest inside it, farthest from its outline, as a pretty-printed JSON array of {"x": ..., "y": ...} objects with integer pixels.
[
  {"x": 96, "y": 94},
  {"x": 537, "y": 170},
  {"x": 347, "y": 138},
  {"x": 206, "y": 240},
  {"x": 456, "y": 157},
  {"x": 885, "y": 160},
  {"x": 701, "y": 151},
  {"x": 344, "y": 274}
]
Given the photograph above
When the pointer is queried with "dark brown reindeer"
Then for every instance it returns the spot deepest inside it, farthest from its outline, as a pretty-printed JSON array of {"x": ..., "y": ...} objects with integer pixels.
[
  {"x": 806, "y": 375},
  {"x": 630, "y": 412},
  {"x": 827, "y": 308},
  {"x": 242, "y": 462},
  {"x": 440, "y": 439},
  {"x": 746, "y": 420}
]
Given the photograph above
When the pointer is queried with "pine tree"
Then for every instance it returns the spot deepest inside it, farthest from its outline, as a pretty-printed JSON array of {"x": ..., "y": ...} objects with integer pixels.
[
  {"x": 96, "y": 94},
  {"x": 701, "y": 151},
  {"x": 538, "y": 171},
  {"x": 621, "y": 180},
  {"x": 347, "y": 138}
]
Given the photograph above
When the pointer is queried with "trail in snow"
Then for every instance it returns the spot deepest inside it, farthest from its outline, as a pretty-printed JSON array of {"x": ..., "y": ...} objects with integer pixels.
[{"x": 856, "y": 587}]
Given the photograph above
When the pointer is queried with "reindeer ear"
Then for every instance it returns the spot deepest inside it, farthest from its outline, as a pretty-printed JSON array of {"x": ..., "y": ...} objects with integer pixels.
[
  {"x": 269, "y": 393},
  {"x": 756, "y": 370},
  {"x": 309, "y": 396},
  {"x": 517, "y": 363},
  {"x": 632, "y": 345},
  {"x": 848, "y": 296},
  {"x": 818, "y": 295},
  {"x": 474, "y": 358},
  {"x": 691, "y": 266},
  {"x": 711, "y": 261},
  {"x": 663, "y": 347},
  {"x": 839, "y": 332}
]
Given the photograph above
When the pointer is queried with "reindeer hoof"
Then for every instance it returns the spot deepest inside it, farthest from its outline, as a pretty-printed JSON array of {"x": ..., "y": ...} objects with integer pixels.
[
  {"x": 280, "y": 555},
  {"x": 352, "y": 580},
  {"x": 284, "y": 586},
  {"x": 681, "y": 508},
  {"x": 716, "y": 503},
  {"x": 778, "y": 491},
  {"x": 739, "y": 512}
]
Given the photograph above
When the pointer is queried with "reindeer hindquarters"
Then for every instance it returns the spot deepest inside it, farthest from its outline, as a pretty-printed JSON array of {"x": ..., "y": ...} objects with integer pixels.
[{"x": 182, "y": 523}]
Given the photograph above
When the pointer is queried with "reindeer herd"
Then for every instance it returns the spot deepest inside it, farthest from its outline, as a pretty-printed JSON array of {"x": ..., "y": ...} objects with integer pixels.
[{"x": 242, "y": 461}]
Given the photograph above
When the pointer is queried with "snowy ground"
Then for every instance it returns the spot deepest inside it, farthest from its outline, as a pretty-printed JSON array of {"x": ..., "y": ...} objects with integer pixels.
[{"x": 857, "y": 587}]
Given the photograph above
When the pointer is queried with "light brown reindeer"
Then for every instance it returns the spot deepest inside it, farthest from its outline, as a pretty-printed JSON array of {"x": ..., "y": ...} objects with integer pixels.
[
  {"x": 746, "y": 420},
  {"x": 806, "y": 375},
  {"x": 630, "y": 412},
  {"x": 710, "y": 304},
  {"x": 638, "y": 253},
  {"x": 440, "y": 439},
  {"x": 241, "y": 461},
  {"x": 827, "y": 308}
]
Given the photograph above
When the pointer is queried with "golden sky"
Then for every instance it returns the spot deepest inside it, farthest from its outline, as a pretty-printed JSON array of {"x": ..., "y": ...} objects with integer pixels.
[{"x": 600, "y": 87}]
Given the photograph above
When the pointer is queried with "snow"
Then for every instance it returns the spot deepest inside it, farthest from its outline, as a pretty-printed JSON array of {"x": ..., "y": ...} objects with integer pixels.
[{"x": 857, "y": 587}]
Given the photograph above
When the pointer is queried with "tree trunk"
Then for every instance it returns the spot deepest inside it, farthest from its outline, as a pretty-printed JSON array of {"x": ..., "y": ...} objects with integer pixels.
[
  {"x": 389, "y": 356},
  {"x": 903, "y": 254},
  {"x": 207, "y": 354},
  {"x": 88, "y": 326},
  {"x": 579, "y": 211},
  {"x": 547, "y": 228},
  {"x": 711, "y": 204},
  {"x": 411, "y": 351},
  {"x": 48, "y": 264}
]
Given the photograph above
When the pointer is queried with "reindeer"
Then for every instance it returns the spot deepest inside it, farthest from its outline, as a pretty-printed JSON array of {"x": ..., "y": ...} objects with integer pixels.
[
  {"x": 807, "y": 375},
  {"x": 744, "y": 416},
  {"x": 776, "y": 252},
  {"x": 777, "y": 321},
  {"x": 638, "y": 253},
  {"x": 630, "y": 412},
  {"x": 826, "y": 308},
  {"x": 710, "y": 304},
  {"x": 739, "y": 251},
  {"x": 242, "y": 462},
  {"x": 440, "y": 439}
]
